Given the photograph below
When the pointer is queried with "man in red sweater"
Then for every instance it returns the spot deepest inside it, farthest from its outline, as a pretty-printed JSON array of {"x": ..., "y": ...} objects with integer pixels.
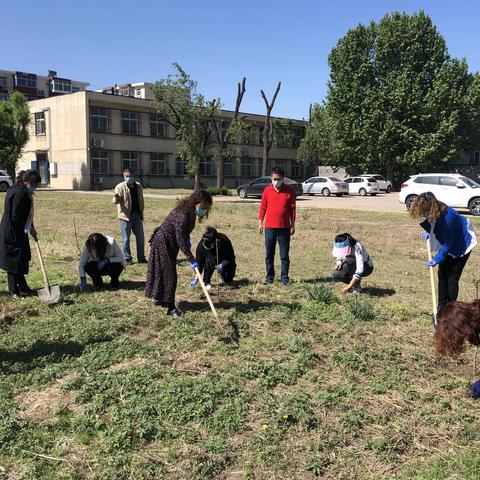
[{"x": 277, "y": 218}]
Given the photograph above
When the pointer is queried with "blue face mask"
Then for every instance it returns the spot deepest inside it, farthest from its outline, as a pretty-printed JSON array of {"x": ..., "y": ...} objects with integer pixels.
[
  {"x": 200, "y": 212},
  {"x": 30, "y": 189},
  {"x": 128, "y": 180}
]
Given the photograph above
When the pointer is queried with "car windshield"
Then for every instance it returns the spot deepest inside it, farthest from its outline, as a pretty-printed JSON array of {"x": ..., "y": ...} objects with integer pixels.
[
  {"x": 334, "y": 179},
  {"x": 471, "y": 183}
]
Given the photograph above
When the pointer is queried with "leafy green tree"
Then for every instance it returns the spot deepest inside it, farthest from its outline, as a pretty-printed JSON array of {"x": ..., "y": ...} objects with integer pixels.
[
  {"x": 397, "y": 102},
  {"x": 14, "y": 123},
  {"x": 176, "y": 98}
]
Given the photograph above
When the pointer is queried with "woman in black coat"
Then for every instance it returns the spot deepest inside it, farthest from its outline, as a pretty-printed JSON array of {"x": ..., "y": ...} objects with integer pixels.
[{"x": 17, "y": 223}]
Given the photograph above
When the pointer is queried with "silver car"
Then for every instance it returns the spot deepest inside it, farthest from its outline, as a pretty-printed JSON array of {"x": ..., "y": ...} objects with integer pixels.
[
  {"x": 5, "y": 181},
  {"x": 325, "y": 186}
]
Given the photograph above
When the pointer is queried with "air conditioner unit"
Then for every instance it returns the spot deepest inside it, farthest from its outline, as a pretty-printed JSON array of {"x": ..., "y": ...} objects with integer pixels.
[
  {"x": 98, "y": 142},
  {"x": 98, "y": 180}
]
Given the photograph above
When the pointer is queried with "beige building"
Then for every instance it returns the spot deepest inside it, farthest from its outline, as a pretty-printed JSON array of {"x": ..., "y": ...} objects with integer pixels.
[
  {"x": 84, "y": 141},
  {"x": 35, "y": 86}
]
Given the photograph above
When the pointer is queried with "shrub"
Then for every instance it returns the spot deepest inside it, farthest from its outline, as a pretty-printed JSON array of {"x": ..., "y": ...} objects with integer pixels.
[
  {"x": 322, "y": 293},
  {"x": 361, "y": 308},
  {"x": 219, "y": 191}
]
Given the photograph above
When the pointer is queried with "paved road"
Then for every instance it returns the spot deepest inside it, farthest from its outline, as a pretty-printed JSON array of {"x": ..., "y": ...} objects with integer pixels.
[{"x": 379, "y": 203}]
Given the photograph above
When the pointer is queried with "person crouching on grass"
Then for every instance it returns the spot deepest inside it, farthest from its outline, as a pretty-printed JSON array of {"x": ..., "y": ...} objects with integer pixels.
[
  {"x": 353, "y": 262},
  {"x": 167, "y": 240},
  {"x": 101, "y": 257},
  {"x": 215, "y": 253},
  {"x": 452, "y": 235}
]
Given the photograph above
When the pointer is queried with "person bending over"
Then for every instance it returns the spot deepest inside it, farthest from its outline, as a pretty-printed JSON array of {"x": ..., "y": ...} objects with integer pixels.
[
  {"x": 353, "y": 262},
  {"x": 101, "y": 257},
  {"x": 215, "y": 252}
]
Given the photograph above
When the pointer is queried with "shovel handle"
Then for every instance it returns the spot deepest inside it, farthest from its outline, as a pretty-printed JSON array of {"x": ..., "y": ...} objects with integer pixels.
[
  {"x": 205, "y": 291},
  {"x": 42, "y": 265},
  {"x": 432, "y": 284}
]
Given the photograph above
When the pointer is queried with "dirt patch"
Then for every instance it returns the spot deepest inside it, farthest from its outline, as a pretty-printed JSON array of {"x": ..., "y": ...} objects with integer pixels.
[
  {"x": 127, "y": 363},
  {"x": 40, "y": 405}
]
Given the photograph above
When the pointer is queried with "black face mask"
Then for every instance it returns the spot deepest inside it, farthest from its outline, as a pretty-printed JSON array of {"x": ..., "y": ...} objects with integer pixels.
[{"x": 207, "y": 245}]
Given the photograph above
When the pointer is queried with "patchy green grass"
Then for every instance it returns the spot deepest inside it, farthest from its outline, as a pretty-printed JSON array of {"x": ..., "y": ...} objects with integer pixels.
[{"x": 305, "y": 383}]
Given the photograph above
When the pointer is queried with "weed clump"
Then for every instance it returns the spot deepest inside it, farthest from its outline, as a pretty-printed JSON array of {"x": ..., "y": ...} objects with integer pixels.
[
  {"x": 321, "y": 293},
  {"x": 361, "y": 308}
]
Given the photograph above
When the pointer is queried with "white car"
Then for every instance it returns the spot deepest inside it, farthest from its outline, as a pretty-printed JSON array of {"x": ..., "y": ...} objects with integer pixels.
[
  {"x": 5, "y": 181},
  {"x": 451, "y": 188},
  {"x": 325, "y": 186},
  {"x": 362, "y": 186},
  {"x": 383, "y": 184}
]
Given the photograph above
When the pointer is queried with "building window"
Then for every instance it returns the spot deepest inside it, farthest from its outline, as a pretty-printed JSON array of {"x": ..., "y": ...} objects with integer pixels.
[
  {"x": 3, "y": 96},
  {"x": 130, "y": 160},
  {"x": 124, "y": 91},
  {"x": 206, "y": 166},
  {"x": 298, "y": 134},
  {"x": 40, "y": 123},
  {"x": 225, "y": 127},
  {"x": 228, "y": 167},
  {"x": 246, "y": 167},
  {"x": 3, "y": 82},
  {"x": 296, "y": 169},
  {"x": 99, "y": 119},
  {"x": 157, "y": 125},
  {"x": 181, "y": 167},
  {"x": 60, "y": 85},
  {"x": 158, "y": 163},
  {"x": 100, "y": 160},
  {"x": 138, "y": 93},
  {"x": 130, "y": 122},
  {"x": 26, "y": 80}
]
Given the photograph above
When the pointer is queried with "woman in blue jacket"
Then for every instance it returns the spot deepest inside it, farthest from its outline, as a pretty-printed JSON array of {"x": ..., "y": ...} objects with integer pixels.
[{"x": 452, "y": 235}]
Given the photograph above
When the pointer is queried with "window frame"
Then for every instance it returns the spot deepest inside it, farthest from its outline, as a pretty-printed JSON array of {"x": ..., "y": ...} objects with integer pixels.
[
  {"x": 98, "y": 117},
  {"x": 157, "y": 160},
  {"x": 131, "y": 160},
  {"x": 130, "y": 117},
  {"x": 102, "y": 158},
  {"x": 40, "y": 124},
  {"x": 156, "y": 120}
]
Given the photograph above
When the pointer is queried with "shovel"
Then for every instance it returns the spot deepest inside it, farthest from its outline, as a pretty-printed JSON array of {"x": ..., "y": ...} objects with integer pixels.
[
  {"x": 432, "y": 284},
  {"x": 49, "y": 294}
]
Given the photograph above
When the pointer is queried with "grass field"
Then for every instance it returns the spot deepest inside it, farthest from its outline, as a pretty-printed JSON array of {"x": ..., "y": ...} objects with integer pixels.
[{"x": 305, "y": 383}]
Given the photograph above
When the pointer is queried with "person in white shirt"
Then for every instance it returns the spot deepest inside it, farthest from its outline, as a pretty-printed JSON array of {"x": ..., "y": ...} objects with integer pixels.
[
  {"x": 101, "y": 256},
  {"x": 352, "y": 262}
]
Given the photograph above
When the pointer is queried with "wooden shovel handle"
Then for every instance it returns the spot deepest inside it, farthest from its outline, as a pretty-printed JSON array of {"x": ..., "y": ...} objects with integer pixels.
[
  {"x": 42, "y": 265},
  {"x": 205, "y": 291},
  {"x": 432, "y": 284}
]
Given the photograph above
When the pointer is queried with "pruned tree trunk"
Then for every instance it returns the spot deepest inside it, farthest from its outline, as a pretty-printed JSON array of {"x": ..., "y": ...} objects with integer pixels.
[
  {"x": 267, "y": 128},
  {"x": 220, "y": 170},
  {"x": 196, "y": 184}
]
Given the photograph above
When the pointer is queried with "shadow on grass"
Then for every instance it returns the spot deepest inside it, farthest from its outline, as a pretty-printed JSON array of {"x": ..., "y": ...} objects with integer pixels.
[
  {"x": 42, "y": 353},
  {"x": 239, "y": 307},
  {"x": 379, "y": 292},
  {"x": 317, "y": 280},
  {"x": 124, "y": 285}
]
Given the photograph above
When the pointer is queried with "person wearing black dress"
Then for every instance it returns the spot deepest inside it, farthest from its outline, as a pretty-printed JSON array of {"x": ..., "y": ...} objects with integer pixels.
[
  {"x": 167, "y": 240},
  {"x": 16, "y": 224},
  {"x": 215, "y": 253}
]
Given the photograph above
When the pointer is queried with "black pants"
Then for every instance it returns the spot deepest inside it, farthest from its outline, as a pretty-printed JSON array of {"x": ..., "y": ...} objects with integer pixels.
[
  {"x": 272, "y": 235},
  {"x": 449, "y": 273},
  {"x": 345, "y": 274},
  {"x": 112, "y": 270},
  {"x": 16, "y": 282},
  {"x": 227, "y": 274}
]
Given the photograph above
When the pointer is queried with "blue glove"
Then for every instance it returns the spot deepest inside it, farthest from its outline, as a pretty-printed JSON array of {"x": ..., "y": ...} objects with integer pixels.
[
  {"x": 101, "y": 264},
  {"x": 83, "y": 283},
  {"x": 475, "y": 389},
  {"x": 193, "y": 264},
  {"x": 194, "y": 283},
  {"x": 431, "y": 263},
  {"x": 425, "y": 236},
  {"x": 220, "y": 267}
]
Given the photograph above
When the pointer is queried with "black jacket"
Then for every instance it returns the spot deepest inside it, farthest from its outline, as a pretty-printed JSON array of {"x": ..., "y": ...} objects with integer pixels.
[
  {"x": 207, "y": 259},
  {"x": 14, "y": 245}
]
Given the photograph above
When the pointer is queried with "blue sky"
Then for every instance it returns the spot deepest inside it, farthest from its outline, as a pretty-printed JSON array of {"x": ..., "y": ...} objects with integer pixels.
[{"x": 216, "y": 41}]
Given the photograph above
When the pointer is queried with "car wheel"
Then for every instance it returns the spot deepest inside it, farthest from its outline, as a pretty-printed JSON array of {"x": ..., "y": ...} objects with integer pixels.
[
  {"x": 326, "y": 192},
  {"x": 3, "y": 187},
  {"x": 389, "y": 189},
  {"x": 362, "y": 192},
  {"x": 410, "y": 200},
  {"x": 474, "y": 206},
  {"x": 242, "y": 193}
]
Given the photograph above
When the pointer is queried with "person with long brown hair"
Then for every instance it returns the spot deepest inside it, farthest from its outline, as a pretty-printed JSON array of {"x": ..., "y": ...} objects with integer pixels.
[
  {"x": 452, "y": 235},
  {"x": 167, "y": 240}
]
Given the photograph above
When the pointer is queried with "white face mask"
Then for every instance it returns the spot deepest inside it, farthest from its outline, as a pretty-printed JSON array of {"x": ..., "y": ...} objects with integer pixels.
[{"x": 277, "y": 183}]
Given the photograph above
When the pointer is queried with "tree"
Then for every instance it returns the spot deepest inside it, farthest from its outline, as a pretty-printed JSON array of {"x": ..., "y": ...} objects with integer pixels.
[
  {"x": 267, "y": 138},
  {"x": 14, "y": 134},
  {"x": 397, "y": 103},
  {"x": 236, "y": 133},
  {"x": 176, "y": 98}
]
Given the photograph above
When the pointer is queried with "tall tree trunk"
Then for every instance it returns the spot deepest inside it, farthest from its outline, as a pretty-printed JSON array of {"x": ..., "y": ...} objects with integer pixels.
[
  {"x": 267, "y": 133},
  {"x": 196, "y": 185},
  {"x": 220, "y": 170}
]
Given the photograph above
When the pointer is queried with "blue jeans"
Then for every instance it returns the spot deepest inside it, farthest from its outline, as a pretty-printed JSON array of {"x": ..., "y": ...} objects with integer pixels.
[
  {"x": 136, "y": 225},
  {"x": 271, "y": 237}
]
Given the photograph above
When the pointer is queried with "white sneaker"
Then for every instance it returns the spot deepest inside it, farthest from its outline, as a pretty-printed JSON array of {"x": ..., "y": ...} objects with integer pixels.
[
  {"x": 356, "y": 291},
  {"x": 208, "y": 286}
]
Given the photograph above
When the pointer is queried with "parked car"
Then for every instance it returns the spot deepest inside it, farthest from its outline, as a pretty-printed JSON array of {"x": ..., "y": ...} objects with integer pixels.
[
  {"x": 5, "y": 181},
  {"x": 362, "y": 186},
  {"x": 384, "y": 185},
  {"x": 325, "y": 186},
  {"x": 256, "y": 187},
  {"x": 451, "y": 188}
]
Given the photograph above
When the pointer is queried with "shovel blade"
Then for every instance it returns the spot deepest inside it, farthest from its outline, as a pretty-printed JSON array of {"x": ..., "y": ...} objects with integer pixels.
[{"x": 49, "y": 295}]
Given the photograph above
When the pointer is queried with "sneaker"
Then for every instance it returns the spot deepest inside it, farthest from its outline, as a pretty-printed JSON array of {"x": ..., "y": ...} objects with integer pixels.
[
  {"x": 285, "y": 282},
  {"x": 356, "y": 291},
  {"x": 143, "y": 260},
  {"x": 267, "y": 281},
  {"x": 208, "y": 286},
  {"x": 15, "y": 296},
  {"x": 128, "y": 261},
  {"x": 174, "y": 313}
]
